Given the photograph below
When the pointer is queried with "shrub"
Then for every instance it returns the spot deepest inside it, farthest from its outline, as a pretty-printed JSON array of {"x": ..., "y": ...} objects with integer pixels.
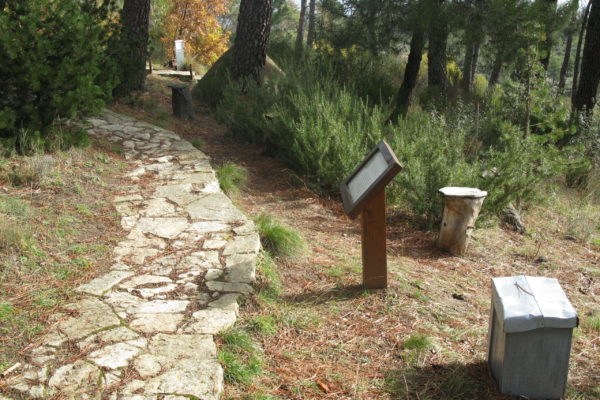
[
  {"x": 433, "y": 153},
  {"x": 480, "y": 86},
  {"x": 54, "y": 63},
  {"x": 323, "y": 129}
]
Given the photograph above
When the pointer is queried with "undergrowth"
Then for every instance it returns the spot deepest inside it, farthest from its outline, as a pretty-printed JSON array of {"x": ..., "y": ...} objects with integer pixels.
[{"x": 323, "y": 129}]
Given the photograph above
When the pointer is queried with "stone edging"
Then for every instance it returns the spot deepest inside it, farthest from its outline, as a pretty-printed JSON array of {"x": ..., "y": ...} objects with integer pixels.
[{"x": 144, "y": 330}]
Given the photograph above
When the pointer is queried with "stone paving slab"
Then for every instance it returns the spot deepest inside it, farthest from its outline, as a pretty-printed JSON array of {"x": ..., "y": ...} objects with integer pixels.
[{"x": 144, "y": 330}]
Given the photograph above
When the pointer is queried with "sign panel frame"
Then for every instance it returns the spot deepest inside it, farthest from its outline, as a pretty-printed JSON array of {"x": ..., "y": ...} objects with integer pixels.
[{"x": 353, "y": 207}]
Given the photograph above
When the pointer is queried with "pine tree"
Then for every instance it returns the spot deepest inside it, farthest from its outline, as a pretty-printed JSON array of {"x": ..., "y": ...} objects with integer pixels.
[
  {"x": 133, "y": 51},
  {"x": 252, "y": 37}
]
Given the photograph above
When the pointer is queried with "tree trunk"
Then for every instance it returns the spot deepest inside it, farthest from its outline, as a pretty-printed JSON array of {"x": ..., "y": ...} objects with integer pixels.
[
  {"x": 550, "y": 12},
  {"x": 310, "y": 38},
  {"x": 585, "y": 99},
  {"x": 135, "y": 23},
  {"x": 476, "y": 48},
  {"x": 411, "y": 73},
  {"x": 438, "y": 39},
  {"x": 565, "y": 64},
  {"x": 578, "y": 52},
  {"x": 251, "y": 39},
  {"x": 467, "y": 78},
  {"x": 496, "y": 69},
  {"x": 300, "y": 35},
  {"x": 473, "y": 38}
]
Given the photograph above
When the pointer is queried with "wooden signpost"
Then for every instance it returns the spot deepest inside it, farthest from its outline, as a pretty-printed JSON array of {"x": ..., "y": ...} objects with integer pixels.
[{"x": 363, "y": 192}]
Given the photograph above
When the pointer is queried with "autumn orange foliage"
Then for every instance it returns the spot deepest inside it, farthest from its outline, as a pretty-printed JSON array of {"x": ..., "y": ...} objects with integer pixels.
[{"x": 197, "y": 23}]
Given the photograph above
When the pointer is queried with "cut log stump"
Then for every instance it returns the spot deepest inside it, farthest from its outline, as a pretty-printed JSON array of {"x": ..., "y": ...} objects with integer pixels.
[
  {"x": 458, "y": 222},
  {"x": 181, "y": 100}
]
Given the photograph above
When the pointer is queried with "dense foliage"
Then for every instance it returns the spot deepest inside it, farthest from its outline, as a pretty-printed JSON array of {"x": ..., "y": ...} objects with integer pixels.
[
  {"x": 321, "y": 124},
  {"x": 54, "y": 63}
]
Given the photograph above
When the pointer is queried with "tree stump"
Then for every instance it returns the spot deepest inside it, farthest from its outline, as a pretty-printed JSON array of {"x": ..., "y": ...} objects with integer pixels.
[
  {"x": 181, "y": 100},
  {"x": 458, "y": 222}
]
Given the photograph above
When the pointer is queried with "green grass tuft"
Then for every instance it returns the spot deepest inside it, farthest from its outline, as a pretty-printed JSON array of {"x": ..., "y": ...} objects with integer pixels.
[
  {"x": 417, "y": 342},
  {"x": 232, "y": 178},
  {"x": 592, "y": 322},
  {"x": 14, "y": 207},
  {"x": 269, "y": 288},
  {"x": 277, "y": 239},
  {"x": 264, "y": 325},
  {"x": 240, "y": 356},
  {"x": 13, "y": 237},
  {"x": 198, "y": 143}
]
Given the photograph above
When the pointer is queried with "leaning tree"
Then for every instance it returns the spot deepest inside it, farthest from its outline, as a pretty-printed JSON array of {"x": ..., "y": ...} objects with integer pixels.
[{"x": 252, "y": 37}]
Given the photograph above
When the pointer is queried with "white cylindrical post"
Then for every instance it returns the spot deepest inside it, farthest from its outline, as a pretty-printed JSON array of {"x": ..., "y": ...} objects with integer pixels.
[
  {"x": 179, "y": 54},
  {"x": 458, "y": 222}
]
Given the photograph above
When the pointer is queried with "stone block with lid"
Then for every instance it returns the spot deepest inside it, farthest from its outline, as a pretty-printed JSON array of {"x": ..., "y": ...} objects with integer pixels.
[{"x": 531, "y": 328}]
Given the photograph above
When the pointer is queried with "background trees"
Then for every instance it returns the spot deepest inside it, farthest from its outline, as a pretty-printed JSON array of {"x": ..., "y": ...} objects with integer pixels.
[{"x": 197, "y": 23}]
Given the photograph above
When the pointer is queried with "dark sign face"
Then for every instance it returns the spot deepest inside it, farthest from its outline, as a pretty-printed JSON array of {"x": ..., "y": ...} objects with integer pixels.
[{"x": 370, "y": 177}]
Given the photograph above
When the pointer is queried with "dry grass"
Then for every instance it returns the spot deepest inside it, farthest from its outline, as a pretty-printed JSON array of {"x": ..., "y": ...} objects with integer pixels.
[
  {"x": 56, "y": 229},
  {"x": 425, "y": 337}
]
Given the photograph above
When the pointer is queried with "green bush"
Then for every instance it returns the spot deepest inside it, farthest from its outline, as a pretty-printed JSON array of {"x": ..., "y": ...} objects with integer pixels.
[
  {"x": 323, "y": 129},
  {"x": 433, "y": 153},
  {"x": 54, "y": 63}
]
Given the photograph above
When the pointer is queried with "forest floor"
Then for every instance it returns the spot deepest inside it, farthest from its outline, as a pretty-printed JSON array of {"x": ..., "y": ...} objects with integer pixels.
[
  {"x": 425, "y": 337},
  {"x": 57, "y": 229}
]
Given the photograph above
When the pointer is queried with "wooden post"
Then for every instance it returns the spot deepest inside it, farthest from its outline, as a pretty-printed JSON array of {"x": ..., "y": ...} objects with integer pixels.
[{"x": 374, "y": 243}]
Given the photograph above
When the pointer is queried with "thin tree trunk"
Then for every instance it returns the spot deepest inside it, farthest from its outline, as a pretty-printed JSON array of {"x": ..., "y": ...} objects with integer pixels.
[
  {"x": 585, "y": 99},
  {"x": 496, "y": 69},
  {"x": 300, "y": 34},
  {"x": 411, "y": 73},
  {"x": 310, "y": 38},
  {"x": 135, "y": 24},
  {"x": 438, "y": 40},
  {"x": 565, "y": 64},
  {"x": 251, "y": 39},
  {"x": 578, "y": 52},
  {"x": 473, "y": 38},
  {"x": 476, "y": 48},
  {"x": 467, "y": 76},
  {"x": 547, "y": 47}
]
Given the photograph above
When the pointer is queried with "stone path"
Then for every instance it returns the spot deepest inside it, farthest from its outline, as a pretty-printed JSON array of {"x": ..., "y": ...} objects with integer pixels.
[{"x": 144, "y": 330}]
